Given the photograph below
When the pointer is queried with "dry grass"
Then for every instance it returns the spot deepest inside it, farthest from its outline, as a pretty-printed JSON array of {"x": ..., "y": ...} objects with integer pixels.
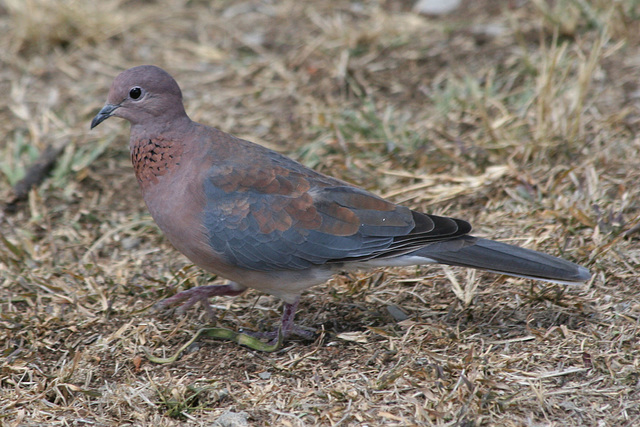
[{"x": 522, "y": 117}]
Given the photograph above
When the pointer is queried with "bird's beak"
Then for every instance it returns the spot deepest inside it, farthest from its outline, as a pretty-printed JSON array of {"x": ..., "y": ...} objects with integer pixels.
[{"x": 104, "y": 114}]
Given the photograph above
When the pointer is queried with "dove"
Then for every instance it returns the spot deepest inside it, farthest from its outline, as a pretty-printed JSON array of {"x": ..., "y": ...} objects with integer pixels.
[{"x": 266, "y": 222}]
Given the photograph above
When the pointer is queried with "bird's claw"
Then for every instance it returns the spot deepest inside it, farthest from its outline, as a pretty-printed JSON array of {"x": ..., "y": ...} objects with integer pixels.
[{"x": 201, "y": 294}]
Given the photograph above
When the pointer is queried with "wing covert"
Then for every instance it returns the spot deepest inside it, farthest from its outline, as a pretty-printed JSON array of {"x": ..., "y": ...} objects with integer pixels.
[{"x": 284, "y": 216}]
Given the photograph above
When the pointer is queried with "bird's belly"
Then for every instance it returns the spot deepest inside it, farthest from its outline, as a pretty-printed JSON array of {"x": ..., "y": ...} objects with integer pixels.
[{"x": 286, "y": 285}]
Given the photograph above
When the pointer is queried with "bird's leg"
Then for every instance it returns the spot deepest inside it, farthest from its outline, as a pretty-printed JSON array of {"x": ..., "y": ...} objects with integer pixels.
[
  {"x": 187, "y": 299},
  {"x": 287, "y": 327},
  {"x": 288, "y": 314}
]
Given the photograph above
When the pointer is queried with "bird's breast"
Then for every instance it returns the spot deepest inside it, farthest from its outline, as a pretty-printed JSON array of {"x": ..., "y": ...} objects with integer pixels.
[
  {"x": 172, "y": 188},
  {"x": 175, "y": 201}
]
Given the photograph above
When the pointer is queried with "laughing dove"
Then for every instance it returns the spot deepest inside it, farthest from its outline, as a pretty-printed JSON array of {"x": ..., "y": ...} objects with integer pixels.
[{"x": 266, "y": 222}]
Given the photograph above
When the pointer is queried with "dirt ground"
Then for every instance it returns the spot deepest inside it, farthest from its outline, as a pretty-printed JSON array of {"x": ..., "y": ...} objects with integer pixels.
[{"x": 519, "y": 116}]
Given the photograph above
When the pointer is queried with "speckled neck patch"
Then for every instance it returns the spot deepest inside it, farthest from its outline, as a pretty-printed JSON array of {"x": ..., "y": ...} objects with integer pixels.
[{"x": 153, "y": 158}]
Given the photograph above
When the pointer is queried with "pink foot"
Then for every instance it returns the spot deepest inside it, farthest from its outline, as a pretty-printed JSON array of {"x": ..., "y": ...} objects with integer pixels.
[
  {"x": 187, "y": 299},
  {"x": 287, "y": 327}
]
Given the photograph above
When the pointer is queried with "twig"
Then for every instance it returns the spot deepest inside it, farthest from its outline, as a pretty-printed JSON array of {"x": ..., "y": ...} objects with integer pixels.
[{"x": 36, "y": 173}]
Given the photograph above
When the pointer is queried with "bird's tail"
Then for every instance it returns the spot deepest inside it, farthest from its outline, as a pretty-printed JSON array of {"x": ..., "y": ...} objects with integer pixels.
[{"x": 483, "y": 254}]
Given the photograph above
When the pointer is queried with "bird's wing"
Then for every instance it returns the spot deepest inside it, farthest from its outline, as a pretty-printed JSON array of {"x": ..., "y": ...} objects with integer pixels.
[{"x": 275, "y": 214}]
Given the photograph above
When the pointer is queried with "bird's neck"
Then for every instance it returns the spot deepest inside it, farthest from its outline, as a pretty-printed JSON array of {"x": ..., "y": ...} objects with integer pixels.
[
  {"x": 153, "y": 157},
  {"x": 158, "y": 152}
]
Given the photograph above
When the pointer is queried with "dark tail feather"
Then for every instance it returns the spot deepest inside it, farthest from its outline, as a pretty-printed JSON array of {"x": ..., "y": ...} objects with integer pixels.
[{"x": 474, "y": 252}]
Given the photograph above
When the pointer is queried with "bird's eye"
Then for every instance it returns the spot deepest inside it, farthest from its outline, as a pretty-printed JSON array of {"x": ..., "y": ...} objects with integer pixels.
[{"x": 135, "y": 92}]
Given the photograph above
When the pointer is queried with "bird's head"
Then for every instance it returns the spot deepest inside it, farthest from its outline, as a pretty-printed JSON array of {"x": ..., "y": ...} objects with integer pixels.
[{"x": 142, "y": 94}]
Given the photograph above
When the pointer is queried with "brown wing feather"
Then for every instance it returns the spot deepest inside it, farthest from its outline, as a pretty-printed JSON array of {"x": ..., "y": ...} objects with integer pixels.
[{"x": 267, "y": 212}]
